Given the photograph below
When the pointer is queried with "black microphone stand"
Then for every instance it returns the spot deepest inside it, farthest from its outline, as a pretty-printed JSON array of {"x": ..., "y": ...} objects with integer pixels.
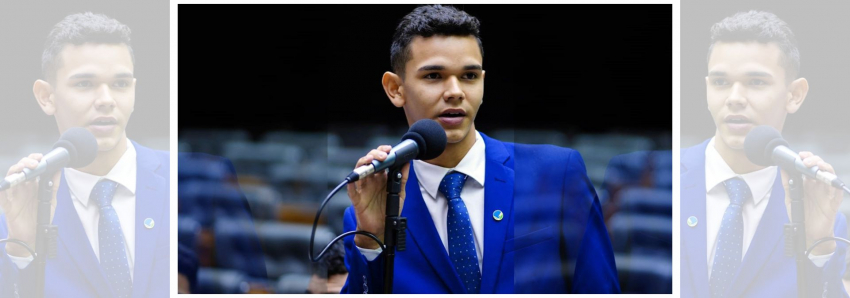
[
  {"x": 394, "y": 226},
  {"x": 795, "y": 231},
  {"x": 45, "y": 233}
]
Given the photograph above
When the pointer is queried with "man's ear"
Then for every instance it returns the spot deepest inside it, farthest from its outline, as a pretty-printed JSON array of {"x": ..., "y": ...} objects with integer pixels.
[
  {"x": 43, "y": 92},
  {"x": 393, "y": 88},
  {"x": 797, "y": 91}
]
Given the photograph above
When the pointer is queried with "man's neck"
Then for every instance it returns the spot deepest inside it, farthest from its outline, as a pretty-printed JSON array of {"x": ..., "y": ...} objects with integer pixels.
[
  {"x": 736, "y": 159},
  {"x": 106, "y": 160},
  {"x": 454, "y": 153}
]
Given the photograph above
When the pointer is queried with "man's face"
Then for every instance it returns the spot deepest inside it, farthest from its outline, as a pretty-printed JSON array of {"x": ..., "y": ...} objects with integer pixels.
[
  {"x": 444, "y": 81},
  {"x": 95, "y": 89},
  {"x": 745, "y": 87}
]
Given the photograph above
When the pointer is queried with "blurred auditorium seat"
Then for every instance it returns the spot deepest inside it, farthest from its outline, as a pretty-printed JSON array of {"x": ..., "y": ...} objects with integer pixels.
[
  {"x": 531, "y": 136},
  {"x": 210, "y": 141},
  {"x": 188, "y": 231},
  {"x": 644, "y": 274},
  {"x": 295, "y": 283},
  {"x": 649, "y": 201},
  {"x": 237, "y": 247},
  {"x": 286, "y": 246},
  {"x": 633, "y": 232}
]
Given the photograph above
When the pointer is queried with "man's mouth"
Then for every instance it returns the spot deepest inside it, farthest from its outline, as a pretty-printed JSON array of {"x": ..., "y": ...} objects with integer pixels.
[
  {"x": 738, "y": 123},
  {"x": 103, "y": 125},
  {"x": 452, "y": 117}
]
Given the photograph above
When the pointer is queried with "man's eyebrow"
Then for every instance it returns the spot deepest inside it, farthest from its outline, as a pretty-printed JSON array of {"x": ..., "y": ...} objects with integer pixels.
[
  {"x": 82, "y": 76},
  {"x": 440, "y": 67},
  {"x": 749, "y": 74},
  {"x": 431, "y": 67},
  {"x": 86, "y": 75}
]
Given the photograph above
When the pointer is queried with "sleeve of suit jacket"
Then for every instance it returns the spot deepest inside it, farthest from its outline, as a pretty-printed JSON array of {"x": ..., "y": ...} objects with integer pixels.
[
  {"x": 826, "y": 281},
  {"x": 592, "y": 255},
  {"x": 12, "y": 279},
  {"x": 363, "y": 276}
]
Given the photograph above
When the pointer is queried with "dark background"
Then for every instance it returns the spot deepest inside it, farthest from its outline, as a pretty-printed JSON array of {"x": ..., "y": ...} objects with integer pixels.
[
  {"x": 822, "y": 29},
  {"x": 569, "y": 68},
  {"x": 24, "y": 26}
]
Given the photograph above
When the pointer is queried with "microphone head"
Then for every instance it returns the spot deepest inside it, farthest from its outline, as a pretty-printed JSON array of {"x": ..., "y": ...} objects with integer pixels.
[
  {"x": 81, "y": 146},
  {"x": 429, "y": 137},
  {"x": 760, "y": 142}
]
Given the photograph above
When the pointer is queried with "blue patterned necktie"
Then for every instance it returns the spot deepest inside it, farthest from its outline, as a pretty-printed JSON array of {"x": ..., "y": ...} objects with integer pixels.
[
  {"x": 113, "y": 258},
  {"x": 730, "y": 239},
  {"x": 461, "y": 238}
]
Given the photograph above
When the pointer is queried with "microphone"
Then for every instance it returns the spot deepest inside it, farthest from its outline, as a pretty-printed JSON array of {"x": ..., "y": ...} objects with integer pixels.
[
  {"x": 425, "y": 140},
  {"x": 76, "y": 148},
  {"x": 764, "y": 146}
]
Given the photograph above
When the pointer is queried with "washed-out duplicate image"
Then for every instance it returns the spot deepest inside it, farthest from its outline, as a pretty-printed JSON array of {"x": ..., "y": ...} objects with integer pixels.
[
  {"x": 765, "y": 142},
  {"x": 84, "y": 195},
  {"x": 553, "y": 177}
]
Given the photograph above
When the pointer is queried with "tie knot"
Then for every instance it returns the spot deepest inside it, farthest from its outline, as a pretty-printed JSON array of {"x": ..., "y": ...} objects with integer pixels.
[
  {"x": 452, "y": 184},
  {"x": 738, "y": 190},
  {"x": 103, "y": 192}
]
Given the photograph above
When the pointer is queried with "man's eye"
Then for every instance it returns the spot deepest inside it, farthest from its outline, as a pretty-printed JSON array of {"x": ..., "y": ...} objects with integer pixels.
[
  {"x": 83, "y": 84},
  {"x": 121, "y": 84},
  {"x": 432, "y": 76},
  {"x": 757, "y": 82},
  {"x": 719, "y": 82},
  {"x": 470, "y": 76}
]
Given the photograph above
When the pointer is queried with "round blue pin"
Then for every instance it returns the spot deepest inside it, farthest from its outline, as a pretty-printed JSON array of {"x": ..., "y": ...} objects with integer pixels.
[
  {"x": 692, "y": 221},
  {"x": 498, "y": 215},
  {"x": 149, "y": 223}
]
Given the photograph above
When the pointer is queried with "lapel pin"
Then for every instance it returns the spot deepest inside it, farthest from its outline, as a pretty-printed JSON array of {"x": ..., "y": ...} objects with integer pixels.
[
  {"x": 149, "y": 223},
  {"x": 692, "y": 221},
  {"x": 498, "y": 215}
]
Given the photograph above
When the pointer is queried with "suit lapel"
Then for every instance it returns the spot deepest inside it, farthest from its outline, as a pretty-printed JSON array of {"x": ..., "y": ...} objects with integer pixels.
[
  {"x": 693, "y": 204},
  {"x": 425, "y": 236},
  {"x": 74, "y": 239},
  {"x": 151, "y": 202},
  {"x": 767, "y": 237},
  {"x": 498, "y": 195}
]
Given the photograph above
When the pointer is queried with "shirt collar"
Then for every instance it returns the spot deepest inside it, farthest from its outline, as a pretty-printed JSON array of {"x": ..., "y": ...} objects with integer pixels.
[
  {"x": 124, "y": 173},
  {"x": 472, "y": 165},
  {"x": 716, "y": 171}
]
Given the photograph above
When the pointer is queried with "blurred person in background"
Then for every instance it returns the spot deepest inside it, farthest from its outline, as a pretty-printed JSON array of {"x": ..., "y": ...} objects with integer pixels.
[
  {"x": 112, "y": 214},
  {"x": 329, "y": 274}
]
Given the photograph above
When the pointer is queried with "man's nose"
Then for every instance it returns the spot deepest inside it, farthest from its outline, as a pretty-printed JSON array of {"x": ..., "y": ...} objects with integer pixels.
[
  {"x": 104, "y": 98},
  {"x": 737, "y": 96},
  {"x": 453, "y": 90}
]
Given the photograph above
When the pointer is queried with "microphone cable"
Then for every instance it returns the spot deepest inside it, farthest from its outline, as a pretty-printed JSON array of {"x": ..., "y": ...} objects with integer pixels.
[{"x": 316, "y": 222}]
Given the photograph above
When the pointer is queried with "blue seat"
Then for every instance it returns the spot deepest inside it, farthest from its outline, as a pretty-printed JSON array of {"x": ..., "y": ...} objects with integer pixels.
[
  {"x": 646, "y": 233},
  {"x": 187, "y": 231},
  {"x": 218, "y": 281},
  {"x": 644, "y": 274},
  {"x": 286, "y": 246},
  {"x": 237, "y": 247},
  {"x": 650, "y": 201},
  {"x": 293, "y": 283}
]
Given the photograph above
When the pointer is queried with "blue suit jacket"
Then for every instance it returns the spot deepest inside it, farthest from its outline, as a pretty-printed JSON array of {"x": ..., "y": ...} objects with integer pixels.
[
  {"x": 765, "y": 271},
  {"x": 552, "y": 238},
  {"x": 76, "y": 272}
]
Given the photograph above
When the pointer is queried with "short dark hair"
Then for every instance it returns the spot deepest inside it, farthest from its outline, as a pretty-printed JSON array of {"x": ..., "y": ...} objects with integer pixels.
[
  {"x": 427, "y": 21},
  {"x": 763, "y": 27},
  {"x": 78, "y": 29},
  {"x": 332, "y": 262}
]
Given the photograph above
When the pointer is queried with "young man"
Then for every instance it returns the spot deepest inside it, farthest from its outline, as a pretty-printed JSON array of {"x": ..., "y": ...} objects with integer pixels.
[
  {"x": 113, "y": 213},
  {"x": 732, "y": 210},
  {"x": 485, "y": 216}
]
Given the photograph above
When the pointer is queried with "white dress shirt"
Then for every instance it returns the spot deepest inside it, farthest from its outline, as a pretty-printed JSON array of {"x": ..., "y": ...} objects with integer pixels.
[
  {"x": 717, "y": 200},
  {"x": 80, "y": 186},
  {"x": 430, "y": 176}
]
